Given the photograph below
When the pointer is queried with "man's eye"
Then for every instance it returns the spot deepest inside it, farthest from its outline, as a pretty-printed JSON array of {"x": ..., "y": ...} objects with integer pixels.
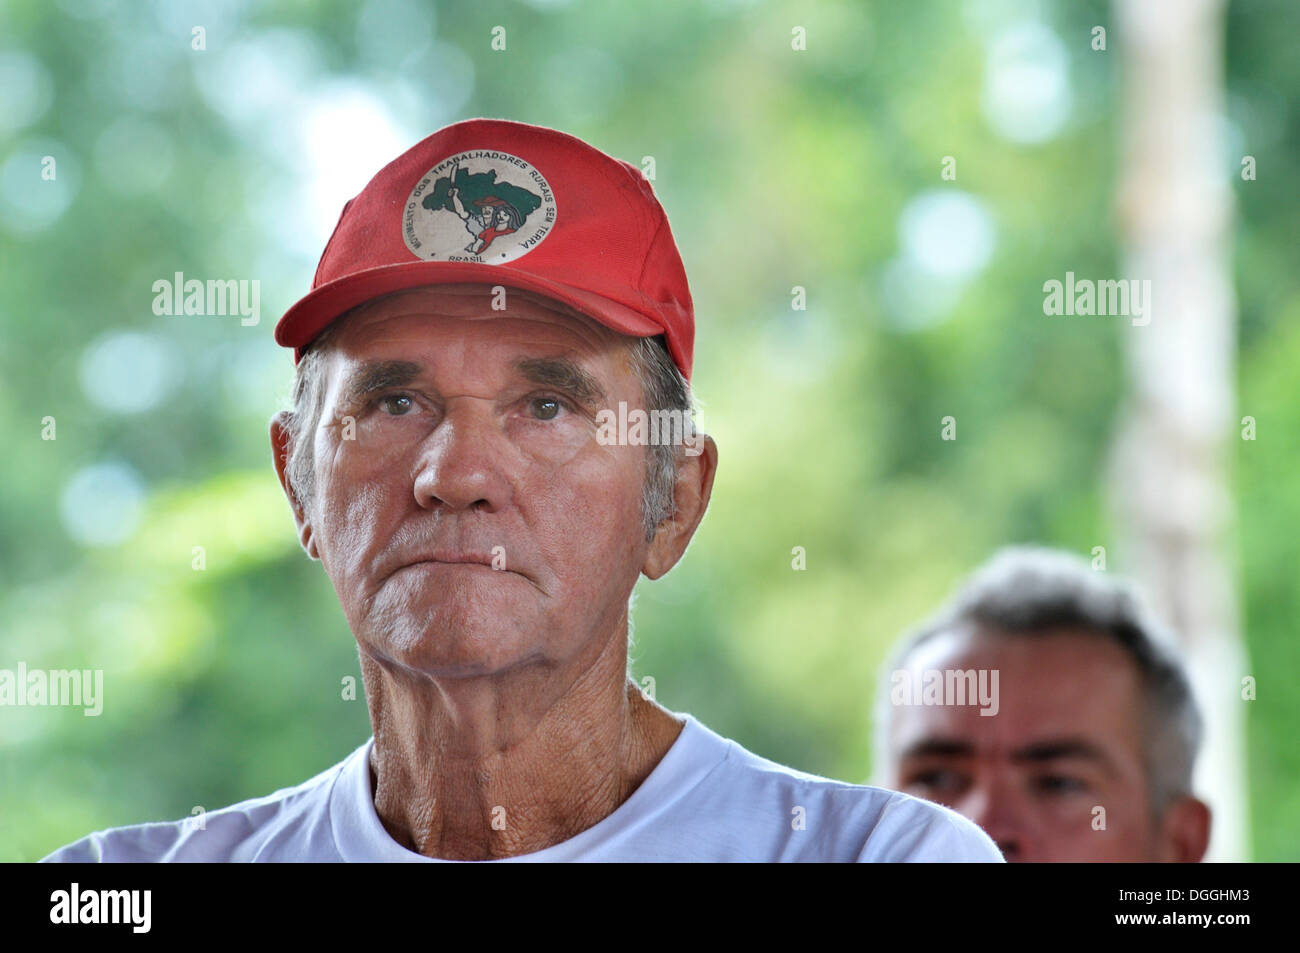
[
  {"x": 938, "y": 779},
  {"x": 545, "y": 408},
  {"x": 1059, "y": 784},
  {"x": 398, "y": 405}
]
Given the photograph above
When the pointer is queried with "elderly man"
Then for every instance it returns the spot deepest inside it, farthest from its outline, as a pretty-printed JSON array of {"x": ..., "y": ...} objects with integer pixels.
[
  {"x": 1041, "y": 704},
  {"x": 447, "y": 463}
]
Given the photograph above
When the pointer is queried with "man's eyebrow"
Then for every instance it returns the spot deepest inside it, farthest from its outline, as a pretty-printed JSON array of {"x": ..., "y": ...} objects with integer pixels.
[
  {"x": 562, "y": 374},
  {"x": 938, "y": 748},
  {"x": 1057, "y": 748},
  {"x": 373, "y": 376}
]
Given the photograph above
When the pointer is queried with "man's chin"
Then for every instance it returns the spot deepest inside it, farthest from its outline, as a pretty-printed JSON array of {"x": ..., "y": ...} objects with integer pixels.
[
  {"x": 467, "y": 602},
  {"x": 449, "y": 653}
]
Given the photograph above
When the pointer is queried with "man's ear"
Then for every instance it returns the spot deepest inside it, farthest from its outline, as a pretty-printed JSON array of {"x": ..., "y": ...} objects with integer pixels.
[
  {"x": 691, "y": 494},
  {"x": 1185, "y": 831},
  {"x": 281, "y": 447}
]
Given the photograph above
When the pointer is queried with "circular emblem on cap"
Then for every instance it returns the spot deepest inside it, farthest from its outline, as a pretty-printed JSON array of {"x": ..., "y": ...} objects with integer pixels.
[{"x": 480, "y": 206}]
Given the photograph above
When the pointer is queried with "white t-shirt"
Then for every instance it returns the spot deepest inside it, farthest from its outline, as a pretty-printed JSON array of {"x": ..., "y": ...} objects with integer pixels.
[{"x": 708, "y": 799}]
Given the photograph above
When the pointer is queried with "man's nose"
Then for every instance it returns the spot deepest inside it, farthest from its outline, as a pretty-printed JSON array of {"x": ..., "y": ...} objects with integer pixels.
[
  {"x": 462, "y": 463},
  {"x": 992, "y": 805}
]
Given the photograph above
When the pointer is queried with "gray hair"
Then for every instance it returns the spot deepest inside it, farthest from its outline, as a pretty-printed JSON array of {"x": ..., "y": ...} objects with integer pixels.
[
  {"x": 1030, "y": 591},
  {"x": 663, "y": 388}
]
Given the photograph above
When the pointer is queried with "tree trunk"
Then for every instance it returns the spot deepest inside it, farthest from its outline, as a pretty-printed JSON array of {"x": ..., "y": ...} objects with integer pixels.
[{"x": 1169, "y": 488}]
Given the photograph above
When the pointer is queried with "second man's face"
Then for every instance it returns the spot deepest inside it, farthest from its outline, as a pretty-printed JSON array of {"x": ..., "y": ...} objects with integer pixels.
[{"x": 1058, "y": 773}]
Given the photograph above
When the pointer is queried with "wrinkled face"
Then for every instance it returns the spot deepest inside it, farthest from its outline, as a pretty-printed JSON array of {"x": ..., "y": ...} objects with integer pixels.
[
  {"x": 464, "y": 511},
  {"x": 1065, "y": 741}
]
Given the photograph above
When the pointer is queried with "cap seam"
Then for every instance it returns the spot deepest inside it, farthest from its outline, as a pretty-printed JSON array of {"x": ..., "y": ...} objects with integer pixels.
[
  {"x": 315, "y": 279},
  {"x": 645, "y": 260}
]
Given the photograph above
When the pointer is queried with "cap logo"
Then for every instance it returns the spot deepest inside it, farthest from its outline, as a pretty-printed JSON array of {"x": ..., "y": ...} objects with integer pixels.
[{"x": 479, "y": 206}]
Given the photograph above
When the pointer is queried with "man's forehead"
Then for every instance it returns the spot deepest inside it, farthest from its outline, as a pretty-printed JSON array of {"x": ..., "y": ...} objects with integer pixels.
[
  {"x": 515, "y": 324},
  {"x": 383, "y": 343},
  {"x": 472, "y": 301},
  {"x": 1055, "y": 647},
  {"x": 1050, "y": 685},
  {"x": 1010, "y": 728}
]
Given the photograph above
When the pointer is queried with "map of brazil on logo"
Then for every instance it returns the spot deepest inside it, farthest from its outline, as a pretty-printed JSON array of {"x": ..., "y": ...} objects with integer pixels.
[{"x": 478, "y": 206}]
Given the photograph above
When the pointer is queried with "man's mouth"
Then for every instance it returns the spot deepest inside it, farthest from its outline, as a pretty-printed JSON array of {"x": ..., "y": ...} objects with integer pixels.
[
  {"x": 456, "y": 559},
  {"x": 459, "y": 561}
]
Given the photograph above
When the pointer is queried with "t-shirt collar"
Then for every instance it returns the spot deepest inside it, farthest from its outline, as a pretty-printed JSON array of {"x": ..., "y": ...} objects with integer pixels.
[{"x": 360, "y": 836}]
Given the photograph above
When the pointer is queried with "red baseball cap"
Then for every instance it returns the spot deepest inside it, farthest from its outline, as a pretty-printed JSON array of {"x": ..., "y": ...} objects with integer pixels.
[{"x": 511, "y": 204}]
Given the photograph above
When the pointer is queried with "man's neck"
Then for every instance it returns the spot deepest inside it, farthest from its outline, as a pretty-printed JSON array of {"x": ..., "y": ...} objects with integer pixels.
[{"x": 479, "y": 769}]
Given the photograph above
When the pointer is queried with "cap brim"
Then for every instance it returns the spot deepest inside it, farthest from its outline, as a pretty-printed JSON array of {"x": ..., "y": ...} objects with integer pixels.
[{"x": 311, "y": 314}]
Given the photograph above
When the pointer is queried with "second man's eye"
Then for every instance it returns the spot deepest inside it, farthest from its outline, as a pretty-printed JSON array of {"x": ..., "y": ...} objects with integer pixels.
[
  {"x": 938, "y": 781},
  {"x": 1059, "y": 784},
  {"x": 545, "y": 408}
]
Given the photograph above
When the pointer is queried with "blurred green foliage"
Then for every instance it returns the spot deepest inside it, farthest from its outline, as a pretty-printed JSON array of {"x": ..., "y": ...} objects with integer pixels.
[{"x": 779, "y": 168}]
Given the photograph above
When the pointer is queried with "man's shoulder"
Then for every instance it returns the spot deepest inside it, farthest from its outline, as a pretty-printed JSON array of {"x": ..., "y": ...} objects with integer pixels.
[
  {"x": 839, "y": 820},
  {"x": 246, "y": 831}
]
